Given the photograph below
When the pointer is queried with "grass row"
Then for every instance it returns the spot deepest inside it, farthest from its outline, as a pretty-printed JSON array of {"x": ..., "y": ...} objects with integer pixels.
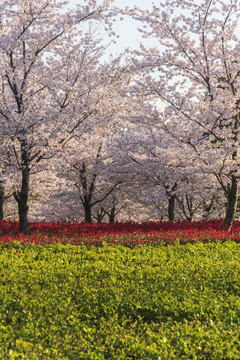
[{"x": 78, "y": 302}]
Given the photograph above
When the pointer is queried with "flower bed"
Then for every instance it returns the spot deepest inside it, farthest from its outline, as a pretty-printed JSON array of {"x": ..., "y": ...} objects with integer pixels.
[{"x": 128, "y": 233}]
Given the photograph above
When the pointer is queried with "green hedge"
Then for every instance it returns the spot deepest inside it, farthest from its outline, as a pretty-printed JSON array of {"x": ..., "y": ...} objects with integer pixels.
[{"x": 77, "y": 302}]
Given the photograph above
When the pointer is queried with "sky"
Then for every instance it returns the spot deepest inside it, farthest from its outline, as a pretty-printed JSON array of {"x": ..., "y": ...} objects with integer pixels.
[
  {"x": 127, "y": 29},
  {"x": 129, "y": 37}
]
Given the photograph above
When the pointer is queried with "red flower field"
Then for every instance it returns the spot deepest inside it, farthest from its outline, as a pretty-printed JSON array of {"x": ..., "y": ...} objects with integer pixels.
[{"x": 128, "y": 233}]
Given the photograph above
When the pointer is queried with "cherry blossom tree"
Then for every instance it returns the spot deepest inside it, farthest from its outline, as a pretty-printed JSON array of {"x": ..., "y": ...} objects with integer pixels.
[
  {"x": 158, "y": 169},
  {"x": 87, "y": 161},
  {"x": 45, "y": 60},
  {"x": 93, "y": 180},
  {"x": 165, "y": 170},
  {"x": 194, "y": 70}
]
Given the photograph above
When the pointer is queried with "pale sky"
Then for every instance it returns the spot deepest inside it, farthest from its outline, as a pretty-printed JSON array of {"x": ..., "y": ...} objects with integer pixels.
[{"x": 129, "y": 37}]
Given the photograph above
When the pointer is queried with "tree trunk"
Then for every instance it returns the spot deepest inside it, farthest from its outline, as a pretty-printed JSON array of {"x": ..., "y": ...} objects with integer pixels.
[
  {"x": 232, "y": 204},
  {"x": 112, "y": 215},
  {"x": 88, "y": 212},
  {"x": 171, "y": 196},
  {"x": 22, "y": 196},
  {"x": 171, "y": 207},
  {"x": 100, "y": 215},
  {"x": 23, "y": 201},
  {"x": 23, "y": 216},
  {"x": 1, "y": 200}
]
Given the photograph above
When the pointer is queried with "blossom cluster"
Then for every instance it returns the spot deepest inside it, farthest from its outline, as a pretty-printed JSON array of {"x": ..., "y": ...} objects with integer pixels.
[{"x": 126, "y": 233}]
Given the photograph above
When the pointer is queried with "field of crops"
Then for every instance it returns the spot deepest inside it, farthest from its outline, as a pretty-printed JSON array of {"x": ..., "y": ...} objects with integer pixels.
[{"x": 121, "y": 293}]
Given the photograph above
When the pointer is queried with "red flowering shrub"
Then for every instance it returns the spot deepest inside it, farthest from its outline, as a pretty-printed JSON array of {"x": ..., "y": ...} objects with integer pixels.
[{"x": 128, "y": 233}]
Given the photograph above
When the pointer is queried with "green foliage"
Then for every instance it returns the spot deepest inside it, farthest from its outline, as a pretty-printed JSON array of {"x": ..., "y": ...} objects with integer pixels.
[{"x": 77, "y": 302}]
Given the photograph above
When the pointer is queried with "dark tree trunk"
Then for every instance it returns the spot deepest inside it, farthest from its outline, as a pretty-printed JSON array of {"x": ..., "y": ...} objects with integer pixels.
[
  {"x": 22, "y": 200},
  {"x": 99, "y": 218},
  {"x": 207, "y": 207},
  {"x": 112, "y": 215},
  {"x": 1, "y": 200},
  {"x": 171, "y": 207},
  {"x": 171, "y": 196},
  {"x": 88, "y": 212},
  {"x": 23, "y": 216},
  {"x": 232, "y": 204},
  {"x": 22, "y": 196},
  {"x": 100, "y": 215}
]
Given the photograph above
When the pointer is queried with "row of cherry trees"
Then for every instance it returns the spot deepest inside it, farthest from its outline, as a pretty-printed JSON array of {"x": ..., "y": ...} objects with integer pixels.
[{"x": 145, "y": 135}]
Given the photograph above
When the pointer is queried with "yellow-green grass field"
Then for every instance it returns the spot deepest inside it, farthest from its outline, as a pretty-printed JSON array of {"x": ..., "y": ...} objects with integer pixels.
[{"x": 115, "y": 302}]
